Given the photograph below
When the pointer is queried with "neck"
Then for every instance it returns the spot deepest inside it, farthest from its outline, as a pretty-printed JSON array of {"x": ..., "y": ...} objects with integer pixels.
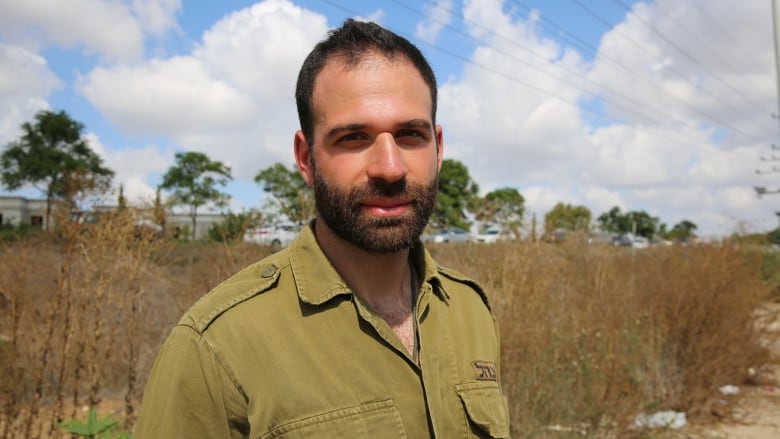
[{"x": 375, "y": 277}]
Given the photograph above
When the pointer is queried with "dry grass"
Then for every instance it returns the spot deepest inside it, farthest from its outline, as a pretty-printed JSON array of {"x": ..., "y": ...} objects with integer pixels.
[{"x": 592, "y": 335}]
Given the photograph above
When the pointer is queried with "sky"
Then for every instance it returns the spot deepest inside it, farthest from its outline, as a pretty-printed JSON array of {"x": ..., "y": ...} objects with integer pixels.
[{"x": 662, "y": 106}]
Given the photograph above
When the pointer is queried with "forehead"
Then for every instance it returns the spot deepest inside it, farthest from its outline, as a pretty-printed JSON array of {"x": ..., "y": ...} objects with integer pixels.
[{"x": 372, "y": 76}]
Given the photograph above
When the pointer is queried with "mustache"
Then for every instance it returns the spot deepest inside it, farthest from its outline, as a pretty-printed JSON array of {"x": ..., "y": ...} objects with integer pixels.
[
  {"x": 383, "y": 188},
  {"x": 379, "y": 188}
]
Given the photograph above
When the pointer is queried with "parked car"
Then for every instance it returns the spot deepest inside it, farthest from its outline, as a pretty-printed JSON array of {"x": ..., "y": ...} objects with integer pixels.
[
  {"x": 274, "y": 236},
  {"x": 450, "y": 235},
  {"x": 492, "y": 235},
  {"x": 629, "y": 240}
]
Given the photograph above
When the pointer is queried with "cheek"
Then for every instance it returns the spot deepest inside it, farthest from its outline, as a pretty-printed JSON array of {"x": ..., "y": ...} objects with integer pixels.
[{"x": 341, "y": 166}]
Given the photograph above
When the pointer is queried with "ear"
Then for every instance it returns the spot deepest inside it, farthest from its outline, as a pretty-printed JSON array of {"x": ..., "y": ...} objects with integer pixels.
[
  {"x": 303, "y": 158},
  {"x": 439, "y": 147}
]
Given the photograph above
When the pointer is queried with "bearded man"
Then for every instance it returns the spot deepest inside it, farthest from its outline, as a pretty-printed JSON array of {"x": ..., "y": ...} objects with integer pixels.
[{"x": 353, "y": 331}]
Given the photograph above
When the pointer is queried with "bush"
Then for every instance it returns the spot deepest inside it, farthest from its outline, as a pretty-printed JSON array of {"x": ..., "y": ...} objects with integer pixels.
[
  {"x": 10, "y": 232},
  {"x": 232, "y": 227}
]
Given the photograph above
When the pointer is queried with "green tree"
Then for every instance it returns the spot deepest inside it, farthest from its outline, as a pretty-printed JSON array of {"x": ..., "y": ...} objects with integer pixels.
[
  {"x": 456, "y": 195},
  {"x": 233, "y": 226},
  {"x": 683, "y": 231},
  {"x": 614, "y": 221},
  {"x": 504, "y": 207},
  {"x": 640, "y": 223},
  {"x": 53, "y": 156},
  {"x": 194, "y": 181},
  {"x": 567, "y": 217},
  {"x": 294, "y": 198}
]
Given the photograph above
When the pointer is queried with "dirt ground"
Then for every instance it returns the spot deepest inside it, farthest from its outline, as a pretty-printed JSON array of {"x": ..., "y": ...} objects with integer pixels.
[{"x": 756, "y": 413}]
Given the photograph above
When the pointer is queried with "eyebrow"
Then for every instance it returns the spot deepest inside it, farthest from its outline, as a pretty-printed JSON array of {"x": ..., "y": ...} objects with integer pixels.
[{"x": 413, "y": 123}]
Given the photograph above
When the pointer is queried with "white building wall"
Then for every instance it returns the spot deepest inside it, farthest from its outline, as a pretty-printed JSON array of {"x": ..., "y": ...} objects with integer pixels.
[{"x": 20, "y": 210}]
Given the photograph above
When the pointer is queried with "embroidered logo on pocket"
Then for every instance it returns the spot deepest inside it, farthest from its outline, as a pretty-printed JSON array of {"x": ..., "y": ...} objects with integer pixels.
[{"x": 484, "y": 370}]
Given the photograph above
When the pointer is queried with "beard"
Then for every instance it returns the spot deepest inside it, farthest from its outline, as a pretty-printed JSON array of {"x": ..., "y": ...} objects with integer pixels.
[{"x": 342, "y": 211}]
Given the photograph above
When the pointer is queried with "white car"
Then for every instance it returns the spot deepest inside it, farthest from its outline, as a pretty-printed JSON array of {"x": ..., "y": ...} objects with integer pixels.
[
  {"x": 450, "y": 235},
  {"x": 275, "y": 236},
  {"x": 490, "y": 236}
]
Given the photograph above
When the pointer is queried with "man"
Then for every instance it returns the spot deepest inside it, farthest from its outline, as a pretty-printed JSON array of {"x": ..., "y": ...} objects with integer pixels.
[{"x": 354, "y": 330}]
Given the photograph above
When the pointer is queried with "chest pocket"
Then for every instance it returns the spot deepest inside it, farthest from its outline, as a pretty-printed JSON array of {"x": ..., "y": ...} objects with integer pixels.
[
  {"x": 486, "y": 408},
  {"x": 378, "y": 419}
]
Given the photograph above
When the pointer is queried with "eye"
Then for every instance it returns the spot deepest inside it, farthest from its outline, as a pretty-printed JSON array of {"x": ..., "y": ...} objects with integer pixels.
[
  {"x": 352, "y": 137},
  {"x": 410, "y": 136}
]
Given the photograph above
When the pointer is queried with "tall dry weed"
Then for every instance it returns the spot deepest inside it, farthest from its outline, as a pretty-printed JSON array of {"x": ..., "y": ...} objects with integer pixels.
[{"x": 593, "y": 335}]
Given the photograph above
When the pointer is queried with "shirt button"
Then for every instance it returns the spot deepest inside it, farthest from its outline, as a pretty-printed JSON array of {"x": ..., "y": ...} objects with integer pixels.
[{"x": 268, "y": 271}]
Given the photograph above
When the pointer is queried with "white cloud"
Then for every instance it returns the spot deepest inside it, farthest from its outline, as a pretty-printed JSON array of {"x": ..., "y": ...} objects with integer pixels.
[
  {"x": 439, "y": 15},
  {"x": 25, "y": 82},
  {"x": 638, "y": 125},
  {"x": 157, "y": 17},
  {"x": 132, "y": 166},
  {"x": 232, "y": 97},
  {"x": 104, "y": 27},
  {"x": 168, "y": 97},
  {"x": 664, "y": 134}
]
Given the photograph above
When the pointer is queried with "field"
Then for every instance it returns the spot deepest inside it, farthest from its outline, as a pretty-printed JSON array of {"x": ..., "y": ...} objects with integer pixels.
[{"x": 592, "y": 335}]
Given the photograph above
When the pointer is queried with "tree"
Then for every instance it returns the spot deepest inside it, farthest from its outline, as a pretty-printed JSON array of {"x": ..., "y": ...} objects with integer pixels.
[
  {"x": 614, "y": 221},
  {"x": 683, "y": 231},
  {"x": 121, "y": 201},
  {"x": 193, "y": 181},
  {"x": 293, "y": 196},
  {"x": 52, "y": 156},
  {"x": 233, "y": 226},
  {"x": 642, "y": 224},
  {"x": 567, "y": 217},
  {"x": 639, "y": 223},
  {"x": 159, "y": 210},
  {"x": 504, "y": 207},
  {"x": 456, "y": 194}
]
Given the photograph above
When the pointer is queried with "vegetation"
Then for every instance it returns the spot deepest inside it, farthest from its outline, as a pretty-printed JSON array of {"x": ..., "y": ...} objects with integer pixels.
[
  {"x": 93, "y": 428},
  {"x": 567, "y": 217},
  {"x": 592, "y": 335},
  {"x": 194, "y": 181},
  {"x": 456, "y": 194},
  {"x": 53, "y": 156},
  {"x": 294, "y": 199},
  {"x": 502, "y": 207},
  {"x": 233, "y": 226}
]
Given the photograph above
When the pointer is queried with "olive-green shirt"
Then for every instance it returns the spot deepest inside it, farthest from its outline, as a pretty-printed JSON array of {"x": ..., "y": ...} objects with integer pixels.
[{"x": 284, "y": 349}]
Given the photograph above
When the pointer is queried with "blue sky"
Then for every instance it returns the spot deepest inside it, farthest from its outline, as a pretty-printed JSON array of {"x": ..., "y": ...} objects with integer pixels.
[{"x": 662, "y": 106}]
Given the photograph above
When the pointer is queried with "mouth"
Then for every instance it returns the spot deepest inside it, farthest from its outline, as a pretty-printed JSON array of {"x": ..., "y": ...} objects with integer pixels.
[{"x": 386, "y": 207}]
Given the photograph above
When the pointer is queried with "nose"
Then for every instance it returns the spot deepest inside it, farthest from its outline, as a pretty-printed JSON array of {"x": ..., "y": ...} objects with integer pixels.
[{"x": 386, "y": 161}]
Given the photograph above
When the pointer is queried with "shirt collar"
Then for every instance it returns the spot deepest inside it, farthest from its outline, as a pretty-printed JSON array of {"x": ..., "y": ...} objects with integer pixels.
[{"x": 317, "y": 281}]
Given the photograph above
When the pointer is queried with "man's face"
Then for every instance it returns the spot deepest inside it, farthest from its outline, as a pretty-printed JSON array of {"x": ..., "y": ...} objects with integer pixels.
[{"x": 375, "y": 161}]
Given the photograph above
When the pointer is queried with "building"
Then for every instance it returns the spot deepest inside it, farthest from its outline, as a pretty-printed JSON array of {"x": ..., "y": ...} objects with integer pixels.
[{"x": 19, "y": 210}]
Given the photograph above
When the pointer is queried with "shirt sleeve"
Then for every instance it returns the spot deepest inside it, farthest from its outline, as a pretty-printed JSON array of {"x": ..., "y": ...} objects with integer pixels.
[{"x": 189, "y": 393}]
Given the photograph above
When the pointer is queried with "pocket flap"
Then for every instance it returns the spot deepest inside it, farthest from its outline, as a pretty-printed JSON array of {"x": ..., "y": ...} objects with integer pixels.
[{"x": 486, "y": 407}]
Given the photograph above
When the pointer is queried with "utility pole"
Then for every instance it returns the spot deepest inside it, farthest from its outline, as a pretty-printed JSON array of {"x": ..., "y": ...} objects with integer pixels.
[{"x": 762, "y": 190}]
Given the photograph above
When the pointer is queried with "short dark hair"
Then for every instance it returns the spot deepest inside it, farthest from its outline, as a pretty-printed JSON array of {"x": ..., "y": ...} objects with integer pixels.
[{"x": 352, "y": 42}]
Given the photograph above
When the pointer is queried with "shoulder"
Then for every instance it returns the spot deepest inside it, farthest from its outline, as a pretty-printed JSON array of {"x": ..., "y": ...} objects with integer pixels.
[
  {"x": 455, "y": 282},
  {"x": 253, "y": 280}
]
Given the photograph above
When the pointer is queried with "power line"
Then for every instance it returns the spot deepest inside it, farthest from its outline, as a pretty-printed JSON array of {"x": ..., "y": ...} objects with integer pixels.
[
  {"x": 688, "y": 55},
  {"x": 745, "y": 53},
  {"x": 546, "y": 22},
  {"x": 550, "y": 93},
  {"x": 674, "y": 70},
  {"x": 544, "y": 60}
]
